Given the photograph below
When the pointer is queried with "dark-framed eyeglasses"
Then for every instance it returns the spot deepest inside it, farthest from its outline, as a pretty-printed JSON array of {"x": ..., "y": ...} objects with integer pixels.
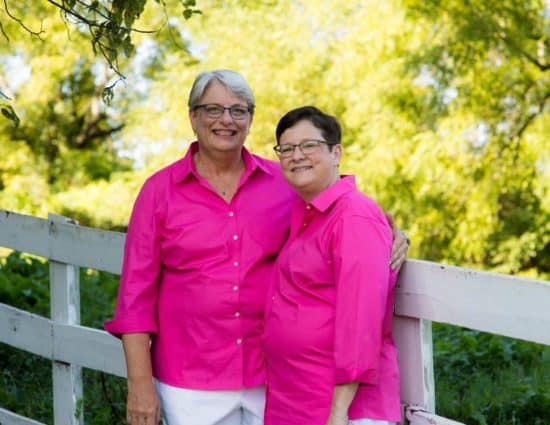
[
  {"x": 215, "y": 110},
  {"x": 307, "y": 147}
]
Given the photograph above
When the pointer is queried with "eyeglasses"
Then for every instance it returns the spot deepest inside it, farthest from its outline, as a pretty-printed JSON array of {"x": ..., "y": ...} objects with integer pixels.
[
  {"x": 213, "y": 110},
  {"x": 307, "y": 147}
]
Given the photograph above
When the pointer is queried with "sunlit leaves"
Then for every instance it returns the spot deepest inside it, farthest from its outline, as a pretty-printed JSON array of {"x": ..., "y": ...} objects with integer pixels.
[
  {"x": 8, "y": 112},
  {"x": 443, "y": 105}
]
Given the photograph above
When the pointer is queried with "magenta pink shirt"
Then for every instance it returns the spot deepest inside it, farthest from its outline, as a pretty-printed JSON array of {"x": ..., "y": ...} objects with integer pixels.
[
  {"x": 329, "y": 319},
  {"x": 196, "y": 270}
]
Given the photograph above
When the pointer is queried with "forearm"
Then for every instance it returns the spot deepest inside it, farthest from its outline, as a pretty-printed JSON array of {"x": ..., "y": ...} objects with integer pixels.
[
  {"x": 142, "y": 407},
  {"x": 342, "y": 397},
  {"x": 138, "y": 356}
]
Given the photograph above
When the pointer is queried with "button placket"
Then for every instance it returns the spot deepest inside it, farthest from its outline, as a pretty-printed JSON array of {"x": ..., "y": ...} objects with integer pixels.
[
  {"x": 308, "y": 214},
  {"x": 235, "y": 255}
]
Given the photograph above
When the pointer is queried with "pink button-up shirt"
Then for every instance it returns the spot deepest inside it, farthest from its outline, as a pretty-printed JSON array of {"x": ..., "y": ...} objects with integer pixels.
[
  {"x": 329, "y": 320},
  {"x": 196, "y": 270}
]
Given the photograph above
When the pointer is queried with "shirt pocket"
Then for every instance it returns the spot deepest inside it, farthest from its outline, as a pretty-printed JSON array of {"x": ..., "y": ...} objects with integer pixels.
[
  {"x": 308, "y": 266},
  {"x": 194, "y": 242}
]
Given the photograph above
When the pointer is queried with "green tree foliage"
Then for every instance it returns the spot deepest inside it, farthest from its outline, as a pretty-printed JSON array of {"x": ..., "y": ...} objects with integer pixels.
[
  {"x": 482, "y": 73},
  {"x": 109, "y": 24},
  {"x": 444, "y": 107},
  {"x": 485, "y": 379},
  {"x": 65, "y": 135},
  {"x": 61, "y": 135}
]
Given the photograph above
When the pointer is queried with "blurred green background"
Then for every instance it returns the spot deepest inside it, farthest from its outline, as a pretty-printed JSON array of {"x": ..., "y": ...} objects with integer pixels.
[{"x": 445, "y": 112}]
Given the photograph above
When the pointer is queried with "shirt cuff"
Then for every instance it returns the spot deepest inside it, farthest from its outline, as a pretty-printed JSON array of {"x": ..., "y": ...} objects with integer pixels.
[
  {"x": 345, "y": 376},
  {"x": 118, "y": 327}
]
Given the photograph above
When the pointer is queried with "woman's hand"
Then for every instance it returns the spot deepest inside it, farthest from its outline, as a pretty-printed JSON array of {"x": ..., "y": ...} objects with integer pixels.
[
  {"x": 338, "y": 419},
  {"x": 400, "y": 245},
  {"x": 341, "y": 399},
  {"x": 143, "y": 406}
]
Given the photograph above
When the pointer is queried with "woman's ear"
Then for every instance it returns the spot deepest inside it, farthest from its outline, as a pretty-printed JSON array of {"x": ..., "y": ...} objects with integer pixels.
[
  {"x": 337, "y": 151},
  {"x": 193, "y": 119}
]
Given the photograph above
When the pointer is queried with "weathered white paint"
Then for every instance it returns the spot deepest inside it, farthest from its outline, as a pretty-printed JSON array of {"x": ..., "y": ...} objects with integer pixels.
[
  {"x": 90, "y": 348},
  {"x": 24, "y": 233},
  {"x": 489, "y": 302},
  {"x": 79, "y": 345},
  {"x": 10, "y": 418},
  {"x": 26, "y": 331},
  {"x": 87, "y": 247},
  {"x": 62, "y": 242},
  {"x": 413, "y": 338},
  {"x": 65, "y": 309},
  {"x": 417, "y": 416}
]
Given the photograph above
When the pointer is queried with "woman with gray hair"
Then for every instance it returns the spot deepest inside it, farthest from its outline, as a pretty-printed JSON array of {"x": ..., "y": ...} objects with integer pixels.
[{"x": 201, "y": 245}]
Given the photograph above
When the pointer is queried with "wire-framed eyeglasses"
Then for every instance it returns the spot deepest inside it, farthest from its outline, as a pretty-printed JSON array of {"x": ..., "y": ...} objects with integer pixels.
[
  {"x": 307, "y": 147},
  {"x": 215, "y": 110}
]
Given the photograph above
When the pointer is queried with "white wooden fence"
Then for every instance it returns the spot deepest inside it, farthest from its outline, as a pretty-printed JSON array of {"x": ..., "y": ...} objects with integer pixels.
[{"x": 500, "y": 304}]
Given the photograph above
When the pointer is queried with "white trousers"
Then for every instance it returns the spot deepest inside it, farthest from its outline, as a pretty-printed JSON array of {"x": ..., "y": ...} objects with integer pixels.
[{"x": 181, "y": 406}]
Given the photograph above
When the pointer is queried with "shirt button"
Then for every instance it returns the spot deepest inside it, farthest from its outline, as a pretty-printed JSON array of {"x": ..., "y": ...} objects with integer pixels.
[
  {"x": 237, "y": 314},
  {"x": 236, "y": 288},
  {"x": 235, "y": 263},
  {"x": 239, "y": 341},
  {"x": 305, "y": 224},
  {"x": 235, "y": 237},
  {"x": 231, "y": 213},
  {"x": 273, "y": 297},
  {"x": 308, "y": 207}
]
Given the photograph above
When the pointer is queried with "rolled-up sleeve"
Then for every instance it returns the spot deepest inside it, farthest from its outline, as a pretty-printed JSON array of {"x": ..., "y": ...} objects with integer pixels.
[
  {"x": 138, "y": 290},
  {"x": 361, "y": 252}
]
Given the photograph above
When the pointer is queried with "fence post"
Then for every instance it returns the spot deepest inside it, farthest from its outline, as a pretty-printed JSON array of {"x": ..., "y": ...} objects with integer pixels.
[
  {"x": 413, "y": 338},
  {"x": 65, "y": 308}
]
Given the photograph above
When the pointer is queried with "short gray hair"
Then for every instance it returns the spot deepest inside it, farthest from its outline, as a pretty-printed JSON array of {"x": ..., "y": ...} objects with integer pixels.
[{"x": 232, "y": 80}]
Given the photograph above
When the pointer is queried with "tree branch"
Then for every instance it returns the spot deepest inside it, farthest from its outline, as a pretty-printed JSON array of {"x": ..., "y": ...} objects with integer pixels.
[
  {"x": 506, "y": 39},
  {"x": 89, "y": 7},
  {"x": 92, "y": 130},
  {"x": 95, "y": 24},
  {"x": 4, "y": 32},
  {"x": 5, "y": 96},
  {"x": 20, "y": 22},
  {"x": 532, "y": 116},
  {"x": 534, "y": 61}
]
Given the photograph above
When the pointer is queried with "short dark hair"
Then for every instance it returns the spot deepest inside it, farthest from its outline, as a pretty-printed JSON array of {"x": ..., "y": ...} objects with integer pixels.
[{"x": 329, "y": 125}]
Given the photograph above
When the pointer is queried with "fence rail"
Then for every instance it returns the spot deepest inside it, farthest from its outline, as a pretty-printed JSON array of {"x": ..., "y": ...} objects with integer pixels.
[{"x": 490, "y": 302}]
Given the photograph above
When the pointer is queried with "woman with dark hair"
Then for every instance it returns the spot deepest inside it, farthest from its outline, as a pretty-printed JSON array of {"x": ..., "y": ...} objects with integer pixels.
[{"x": 328, "y": 330}]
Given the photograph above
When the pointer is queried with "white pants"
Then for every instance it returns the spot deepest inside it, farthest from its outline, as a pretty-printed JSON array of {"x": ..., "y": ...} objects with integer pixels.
[{"x": 181, "y": 406}]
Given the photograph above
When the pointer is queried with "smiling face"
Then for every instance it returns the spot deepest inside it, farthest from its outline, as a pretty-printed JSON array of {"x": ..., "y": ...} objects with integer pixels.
[
  {"x": 309, "y": 174},
  {"x": 222, "y": 134}
]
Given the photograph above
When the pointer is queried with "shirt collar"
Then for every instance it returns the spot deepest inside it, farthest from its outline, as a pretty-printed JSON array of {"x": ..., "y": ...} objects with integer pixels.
[
  {"x": 186, "y": 166},
  {"x": 331, "y": 194}
]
